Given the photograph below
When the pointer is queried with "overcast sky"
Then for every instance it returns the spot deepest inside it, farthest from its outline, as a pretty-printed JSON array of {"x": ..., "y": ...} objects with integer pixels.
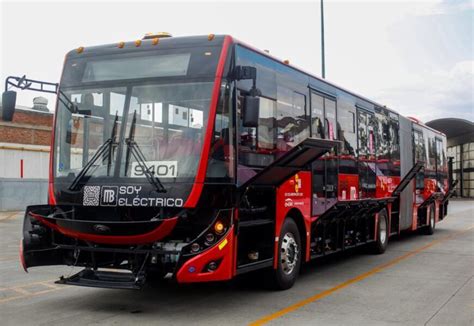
[{"x": 415, "y": 57}]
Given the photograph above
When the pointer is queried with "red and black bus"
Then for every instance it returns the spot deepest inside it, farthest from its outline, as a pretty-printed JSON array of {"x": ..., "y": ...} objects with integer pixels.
[{"x": 201, "y": 158}]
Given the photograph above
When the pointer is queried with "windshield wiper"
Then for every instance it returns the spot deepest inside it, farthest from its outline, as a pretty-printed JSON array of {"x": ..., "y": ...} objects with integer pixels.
[
  {"x": 134, "y": 149},
  {"x": 108, "y": 144}
]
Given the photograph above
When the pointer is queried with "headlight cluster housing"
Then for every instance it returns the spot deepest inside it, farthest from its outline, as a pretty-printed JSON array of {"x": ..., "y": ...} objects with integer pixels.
[{"x": 212, "y": 235}]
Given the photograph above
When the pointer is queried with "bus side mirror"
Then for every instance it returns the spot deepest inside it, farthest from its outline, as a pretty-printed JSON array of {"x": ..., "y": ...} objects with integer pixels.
[
  {"x": 8, "y": 105},
  {"x": 245, "y": 72},
  {"x": 251, "y": 111}
]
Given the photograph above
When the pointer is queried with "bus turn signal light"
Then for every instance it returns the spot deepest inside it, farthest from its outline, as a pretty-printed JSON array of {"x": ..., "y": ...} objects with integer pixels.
[{"x": 219, "y": 227}]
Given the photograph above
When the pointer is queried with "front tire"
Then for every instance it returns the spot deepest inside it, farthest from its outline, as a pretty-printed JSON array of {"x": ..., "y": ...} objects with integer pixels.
[
  {"x": 289, "y": 257},
  {"x": 381, "y": 243},
  {"x": 430, "y": 228}
]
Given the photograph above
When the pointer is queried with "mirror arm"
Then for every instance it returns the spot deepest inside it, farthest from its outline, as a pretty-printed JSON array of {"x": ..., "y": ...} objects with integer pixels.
[
  {"x": 40, "y": 86},
  {"x": 24, "y": 83}
]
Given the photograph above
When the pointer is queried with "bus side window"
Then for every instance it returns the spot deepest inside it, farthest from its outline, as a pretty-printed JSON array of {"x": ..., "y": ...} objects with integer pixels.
[
  {"x": 330, "y": 115},
  {"x": 222, "y": 153},
  {"x": 317, "y": 116},
  {"x": 266, "y": 124},
  {"x": 419, "y": 147},
  {"x": 257, "y": 145},
  {"x": 346, "y": 128},
  {"x": 362, "y": 134},
  {"x": 291, "y": 118}
]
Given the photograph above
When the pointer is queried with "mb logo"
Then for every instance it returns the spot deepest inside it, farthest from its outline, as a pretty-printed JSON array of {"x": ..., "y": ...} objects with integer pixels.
[{"x": 109, "y": 196}]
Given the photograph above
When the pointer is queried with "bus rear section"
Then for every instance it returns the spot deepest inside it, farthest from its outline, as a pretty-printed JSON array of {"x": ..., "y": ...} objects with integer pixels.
[{"x": 200, "y": 159}]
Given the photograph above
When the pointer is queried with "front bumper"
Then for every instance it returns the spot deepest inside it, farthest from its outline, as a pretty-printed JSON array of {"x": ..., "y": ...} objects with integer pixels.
[{"x": 50, "y": 238}]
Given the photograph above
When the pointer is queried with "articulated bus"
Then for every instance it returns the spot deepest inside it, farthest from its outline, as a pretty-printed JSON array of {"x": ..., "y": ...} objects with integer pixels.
[{"x": 201, "y": 158}]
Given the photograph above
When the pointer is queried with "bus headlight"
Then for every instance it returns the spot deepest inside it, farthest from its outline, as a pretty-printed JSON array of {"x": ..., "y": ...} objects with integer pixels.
[
  {"x": 195, "y": 247},
  {"x": 210, "y": 237}
]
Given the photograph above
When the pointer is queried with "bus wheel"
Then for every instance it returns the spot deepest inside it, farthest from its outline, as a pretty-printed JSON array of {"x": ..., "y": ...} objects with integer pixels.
[
  {"x": 429, "y": 229},
  {"x": 380, "y": 245},
  {"x": 289, "y": 257}
]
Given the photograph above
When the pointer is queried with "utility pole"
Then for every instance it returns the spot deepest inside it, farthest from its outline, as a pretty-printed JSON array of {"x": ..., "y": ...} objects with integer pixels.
[{"x": 323, "y": 66}]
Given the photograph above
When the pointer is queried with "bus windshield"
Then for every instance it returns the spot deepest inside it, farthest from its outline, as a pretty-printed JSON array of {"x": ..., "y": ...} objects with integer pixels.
[{"x": 170, "y": 123}]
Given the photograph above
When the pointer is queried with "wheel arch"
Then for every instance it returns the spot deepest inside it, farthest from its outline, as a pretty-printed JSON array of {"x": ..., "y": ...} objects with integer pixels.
[{"x": 296, "y": 215}]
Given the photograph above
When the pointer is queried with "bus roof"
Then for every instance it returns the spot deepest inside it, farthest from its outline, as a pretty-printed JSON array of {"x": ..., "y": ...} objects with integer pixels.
[{"x": 209, "y": 40}]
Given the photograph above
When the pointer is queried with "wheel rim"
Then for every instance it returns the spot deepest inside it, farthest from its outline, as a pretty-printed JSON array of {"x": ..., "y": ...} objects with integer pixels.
[
  {"x": 383, "y": 230},
  {"x": 289, "y": 253}
]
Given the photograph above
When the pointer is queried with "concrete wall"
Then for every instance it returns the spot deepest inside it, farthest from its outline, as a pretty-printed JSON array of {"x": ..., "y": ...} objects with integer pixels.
[
  {"x": 35, "y": 161},
  {"x": 16, "y": 194}
]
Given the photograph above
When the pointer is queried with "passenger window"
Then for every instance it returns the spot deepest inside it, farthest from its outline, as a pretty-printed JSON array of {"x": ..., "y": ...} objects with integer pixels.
[
  {"x": 330, "y": 113},
  {"x": 291, "y": 118},
  {"x": 256, "y": 145},
  {"x": 346, "y": 121},
  {"x": 362, "y": 132},
  {"x": 221, "y": 164},
  {"x": 266, "y": 124},
  {"x": 419, "y": 146},
  {"x": 317, "y": 115},
  {"x": 346, "y": 127}
]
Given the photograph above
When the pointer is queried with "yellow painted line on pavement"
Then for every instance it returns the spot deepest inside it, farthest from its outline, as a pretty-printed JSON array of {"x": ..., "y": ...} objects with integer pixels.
[
  {"x": 328, "y": 292},
  {"x": 25, "y": 294},
  {"x": 9, "y": 216},
  {"x": 50, "y": 285}
]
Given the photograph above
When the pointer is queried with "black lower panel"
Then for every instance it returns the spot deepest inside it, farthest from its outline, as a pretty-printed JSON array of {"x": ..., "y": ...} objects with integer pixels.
[{"x": 105, "y": 279}]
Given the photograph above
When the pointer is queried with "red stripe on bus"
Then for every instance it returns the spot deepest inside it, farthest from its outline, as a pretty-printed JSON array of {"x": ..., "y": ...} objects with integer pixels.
[{"x": 159, "y": 233}]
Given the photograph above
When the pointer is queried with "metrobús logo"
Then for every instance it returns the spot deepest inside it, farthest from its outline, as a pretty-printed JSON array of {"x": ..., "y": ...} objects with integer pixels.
[
  {"x": 289, "y": 202},
  {"x": 125, "y": 196},
  {"x": 297, "y": 184}
]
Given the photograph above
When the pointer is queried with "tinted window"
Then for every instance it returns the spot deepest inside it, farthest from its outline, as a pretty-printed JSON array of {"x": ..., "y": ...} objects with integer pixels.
[
  {"x": 291, "y": 118},
  {"x": 256, "y": 145},
  {"x": 221, "y": 165},
  {"x": 383, "y": 135},
  {"x": 266, "y": 124},
  {"x": 179, "y": 62},
  {"x": 317, "y": 115},
  {"x": 420, "y": 156},
  {"x": 419, "y": 146},
  {"x": 330, "y": 113},
  {"x": 363, "y": 137},
  {"x": 346, "y": 127},
  {"x": 430, "y": 145},
  {"x": 346, "y": 120},
  {"x": 138, "y": 67},
  {"x": 266, "y": 77}
]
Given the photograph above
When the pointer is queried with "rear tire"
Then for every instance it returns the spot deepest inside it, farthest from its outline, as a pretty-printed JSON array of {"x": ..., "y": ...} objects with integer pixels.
[
  {"x": 430, "y": 228},
  {"x": 380, "y": 245},
  {"x": 289, "y": 257}
]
